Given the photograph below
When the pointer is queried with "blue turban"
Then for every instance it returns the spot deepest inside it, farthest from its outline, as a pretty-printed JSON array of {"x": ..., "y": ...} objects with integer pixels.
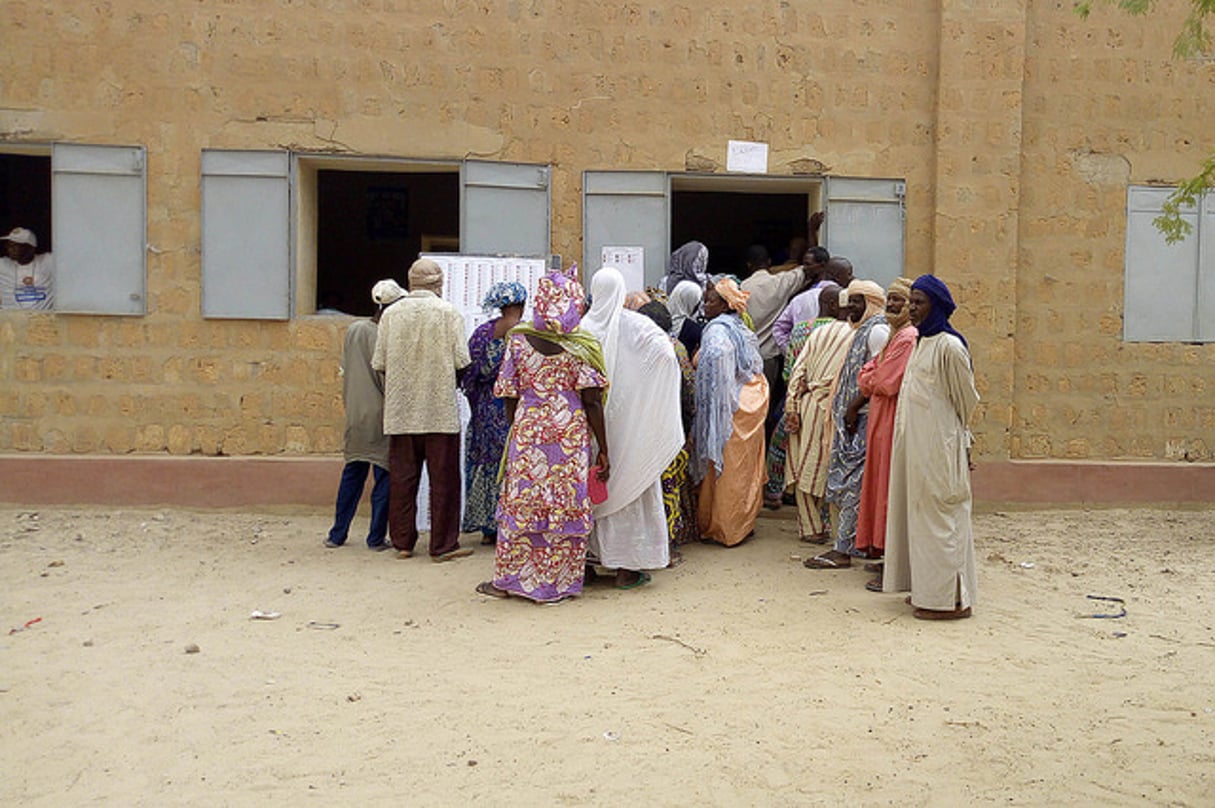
[
  {"x": 505, "y": 293},
  {"x": 942, "y": 307}
]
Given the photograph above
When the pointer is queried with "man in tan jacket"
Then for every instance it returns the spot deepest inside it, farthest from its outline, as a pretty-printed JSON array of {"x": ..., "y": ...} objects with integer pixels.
[{"x": 421, "y": 347}]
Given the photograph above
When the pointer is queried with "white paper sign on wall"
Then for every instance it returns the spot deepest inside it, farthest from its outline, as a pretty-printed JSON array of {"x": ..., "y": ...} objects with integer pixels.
[
  {"x": 747, "y": 157},
  {"x": 631, "y": 263}
]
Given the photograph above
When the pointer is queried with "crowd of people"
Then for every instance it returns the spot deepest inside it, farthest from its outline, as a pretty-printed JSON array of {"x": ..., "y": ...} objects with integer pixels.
[{"x": 609, "y": 430}]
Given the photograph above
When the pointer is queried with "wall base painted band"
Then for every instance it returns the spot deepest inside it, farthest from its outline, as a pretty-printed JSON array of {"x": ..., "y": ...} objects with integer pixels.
[{"x": 245, "y": 482}]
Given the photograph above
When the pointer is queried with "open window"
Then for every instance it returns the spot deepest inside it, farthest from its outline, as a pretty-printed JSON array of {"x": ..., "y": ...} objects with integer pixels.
[
  {"x": 730, "y": 213},
  {"x": 86, "y": 208},
  {"x": 309, "y": 234},
  {"x": 659, "y": 211}
]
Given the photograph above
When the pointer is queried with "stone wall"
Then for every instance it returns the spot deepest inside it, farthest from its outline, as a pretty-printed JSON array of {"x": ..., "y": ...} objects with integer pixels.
[
  {"x": 1106, "y": 105},
  {"x": 1016, "y": 126}
]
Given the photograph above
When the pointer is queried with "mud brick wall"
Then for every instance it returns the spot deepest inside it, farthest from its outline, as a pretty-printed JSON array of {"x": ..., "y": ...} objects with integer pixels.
[{"x": 1016, "y": 125}]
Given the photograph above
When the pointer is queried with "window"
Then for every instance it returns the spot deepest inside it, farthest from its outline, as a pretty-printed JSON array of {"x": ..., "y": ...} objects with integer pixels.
[
  {"x": 1184, "y": 312},
  {"x": 86, "y": 206},
  {"x": 658, "y": 212},
  {"x": 300, "y": 234}
]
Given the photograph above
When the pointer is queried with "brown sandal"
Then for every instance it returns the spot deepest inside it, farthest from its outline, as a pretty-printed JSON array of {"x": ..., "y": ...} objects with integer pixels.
[
  {"x": 488, "y": 589},
  {"x": 830, "y": 560},
  {"x": 934, "y": 614}
]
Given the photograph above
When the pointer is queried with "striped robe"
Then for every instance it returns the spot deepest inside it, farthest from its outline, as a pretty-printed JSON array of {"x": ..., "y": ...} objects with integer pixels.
[{"x": 810, "y": 387}]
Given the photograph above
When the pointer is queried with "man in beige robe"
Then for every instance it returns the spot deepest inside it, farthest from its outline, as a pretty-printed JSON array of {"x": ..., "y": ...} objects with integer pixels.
[
  {"x": 808, "y": 415},
  {"x": 929, "y": 544}
]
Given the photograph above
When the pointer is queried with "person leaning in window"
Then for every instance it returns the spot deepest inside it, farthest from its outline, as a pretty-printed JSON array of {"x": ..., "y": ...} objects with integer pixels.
[{"x": 27, "y": 277}]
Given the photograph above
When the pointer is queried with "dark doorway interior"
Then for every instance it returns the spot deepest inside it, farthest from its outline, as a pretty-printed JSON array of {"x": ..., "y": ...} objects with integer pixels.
[
  {"x": 728, "y": 223},
  {"x": 372, "y": 225},
  {"x": 25, "y": 196}
]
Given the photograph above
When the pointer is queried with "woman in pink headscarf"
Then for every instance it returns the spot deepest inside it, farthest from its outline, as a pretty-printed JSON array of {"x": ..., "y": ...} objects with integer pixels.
[{"x": 552, "y": 379}]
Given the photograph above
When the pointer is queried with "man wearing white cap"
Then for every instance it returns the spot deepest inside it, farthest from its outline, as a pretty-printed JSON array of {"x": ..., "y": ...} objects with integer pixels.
[
  {"x": 366, "y": 443},
  {"x": 27, "y": 278},
  {"x": 421, "y": 347}
]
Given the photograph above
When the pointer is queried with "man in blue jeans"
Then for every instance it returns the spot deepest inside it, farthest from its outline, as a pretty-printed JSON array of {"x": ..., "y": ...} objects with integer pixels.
[{"x": 366, "y": 443}]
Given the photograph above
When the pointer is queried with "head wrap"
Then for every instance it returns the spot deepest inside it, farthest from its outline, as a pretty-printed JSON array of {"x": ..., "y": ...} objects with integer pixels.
[
  {"x": 603, "y": 318},
  {"x": 875, "y": 298},
  {"x": 425, "y": 274},
  {"x": 689, "y": 263},
  {"x": 730, "y": 292},
  {"x": 503, "y": 294},
  {"x": 658, "y": 313},
  {"x": 607, "y": 300},
  {"x": 559, "y": 303},
  {"x": 684, "y": 304},
  {"x": 387, "y": 292},
  {"x": 901, "y": 287},
  {"x": 558, "y": 309},
  {"x": 942, "y": 307}
]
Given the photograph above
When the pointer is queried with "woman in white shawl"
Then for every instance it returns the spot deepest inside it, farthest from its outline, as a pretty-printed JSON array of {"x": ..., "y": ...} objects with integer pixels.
[
  {"x": 642, "y": 415},
  {"x": 684, "y": 304}
]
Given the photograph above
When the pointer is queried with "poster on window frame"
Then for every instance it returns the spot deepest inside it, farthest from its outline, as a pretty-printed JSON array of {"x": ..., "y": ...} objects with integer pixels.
[{"x": 466, "y": 279}]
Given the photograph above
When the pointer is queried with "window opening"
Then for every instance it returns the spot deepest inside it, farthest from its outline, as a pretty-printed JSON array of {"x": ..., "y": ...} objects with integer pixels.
[
  {"x": 25, "y": 202},
  {"x": 729, "y": 223},
  {"x": 730, "y": 214},
  {"x": 372, "y": 224}
]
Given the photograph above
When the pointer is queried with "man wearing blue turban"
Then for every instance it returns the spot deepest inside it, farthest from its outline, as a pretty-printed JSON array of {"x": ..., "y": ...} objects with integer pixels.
[{"x": 929, "y": 544}]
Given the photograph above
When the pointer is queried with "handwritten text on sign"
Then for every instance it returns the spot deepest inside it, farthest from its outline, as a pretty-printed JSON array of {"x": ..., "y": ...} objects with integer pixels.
[{"x": 747, "y": 157}]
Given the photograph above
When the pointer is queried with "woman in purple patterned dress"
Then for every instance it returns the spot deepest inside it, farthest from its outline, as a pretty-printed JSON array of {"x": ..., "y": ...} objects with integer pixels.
[
  {"x": 486, "y": 438},
  {"x": 552, "y": 379}
]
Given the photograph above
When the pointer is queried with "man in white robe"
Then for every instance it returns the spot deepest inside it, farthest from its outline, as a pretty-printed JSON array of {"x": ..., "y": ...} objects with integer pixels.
[{"x": 929, "y": 544}]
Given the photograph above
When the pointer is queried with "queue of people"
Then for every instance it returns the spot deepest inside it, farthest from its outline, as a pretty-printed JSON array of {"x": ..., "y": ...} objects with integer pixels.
[{"x": 609, "y": 430}]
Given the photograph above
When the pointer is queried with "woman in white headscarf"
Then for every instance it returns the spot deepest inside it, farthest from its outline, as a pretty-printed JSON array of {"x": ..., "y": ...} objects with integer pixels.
[
  {"x": 642, "y": 414},
  {"x": 684, "y": 305}
]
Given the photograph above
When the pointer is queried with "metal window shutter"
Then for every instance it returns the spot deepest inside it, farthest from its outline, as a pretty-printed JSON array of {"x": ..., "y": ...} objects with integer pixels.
[
  {"x": 865, "y": 224},
  {"x": 1152, "y": 266},
  {"x": 246, "y": 247},
  {"x": 504, "y": 208},
  {"x": 626, "y": 209},
  {"x": 99, "y": 217}
]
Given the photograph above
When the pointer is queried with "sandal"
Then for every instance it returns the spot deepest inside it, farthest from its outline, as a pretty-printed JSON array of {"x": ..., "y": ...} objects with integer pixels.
[
  {"x": 934, "y": 614},
  {"x": 815, "y": 538},
  {"x": 874, "y": 567},
  {"x": 828, "y": 561},
  {"x": 874, "y": 584},
  {"x": 488, "y": 589},
  {"x": 642, "y": 579}
]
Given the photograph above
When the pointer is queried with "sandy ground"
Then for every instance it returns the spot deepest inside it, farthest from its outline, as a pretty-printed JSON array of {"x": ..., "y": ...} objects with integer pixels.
[{"x": 738, "y": 678}]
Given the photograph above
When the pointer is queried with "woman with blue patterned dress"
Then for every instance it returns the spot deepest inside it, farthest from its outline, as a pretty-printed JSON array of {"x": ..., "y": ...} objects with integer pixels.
[{"x": 487, "y": 428}]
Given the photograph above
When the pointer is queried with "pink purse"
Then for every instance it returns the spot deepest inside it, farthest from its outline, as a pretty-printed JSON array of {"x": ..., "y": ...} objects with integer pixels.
[{"x": 596, "y": 487}]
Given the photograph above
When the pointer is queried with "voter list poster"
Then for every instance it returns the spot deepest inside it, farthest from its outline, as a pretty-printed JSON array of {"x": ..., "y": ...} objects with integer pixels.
[{"x": 466, "y": 279}]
